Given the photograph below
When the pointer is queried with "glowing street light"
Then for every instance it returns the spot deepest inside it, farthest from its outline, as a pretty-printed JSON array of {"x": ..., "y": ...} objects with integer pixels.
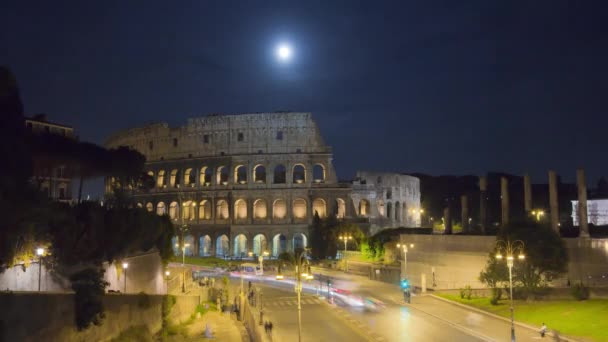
[
  {"x": 40, "y": 254},
  {"x": 508, "y": 249},
  {"x": 538, "y": 214},
  {"x": 404, "y": 248},
  {"x": 125, "y": 266},
  {"x": 284, "y": 52}
]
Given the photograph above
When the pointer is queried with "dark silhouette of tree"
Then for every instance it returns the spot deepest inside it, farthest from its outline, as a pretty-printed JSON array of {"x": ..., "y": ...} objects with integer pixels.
[{"x": 602, "y": 187}]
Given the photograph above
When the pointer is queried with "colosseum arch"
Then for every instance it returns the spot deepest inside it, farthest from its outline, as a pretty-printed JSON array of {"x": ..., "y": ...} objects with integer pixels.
[
  {"x": 160, "y": 179},
  {"x": 319, "y": 207},
  {"x": 279, "y": 245},
  {"x": 240, "y": 209},
  {"x": 340, "y": 208},
  {"x": 205, "y": 176},
  {"x": 364, "y": 208},
  {"x": 174, "y": 178},
  {"x": 221, "y": 210},
  {"x": 260, "y": 209},
  {"x": 240, "y": 174},
  {"x": 299, "y": 174},
  {"x": 318, "y": 173},
  {"x": 150, "y": 207},
  {"x": 189, "y": 177},
  {"x": 397, "y": 211},
  {"x": 381, "y": 208},
  {"x": 240, "y": 245},
  {"x": 173, "y": 210},
  {"x": 259, "y": 173},
  {"x": 175, "y": 245},
  {"x": 161, "y": 209},
  {"x": 389, "y": 210},
  {"x": 280, "y": 174},
  {"x": 222, "y": 246},
  {"x": 260, "y": 244},
  {"x": 299, "y": 241},
  {"x": 204, "y": 210},
  {"x": 188, "y": 210},
  {"x": 279, "y": 209},
  {"x": 204, "y": 246},
  {"x": 151, "y": 173},
  {"x": 189, "y": 244},
  {"x": 299, "y": 208},
  {"x": 222, "y": 175}
]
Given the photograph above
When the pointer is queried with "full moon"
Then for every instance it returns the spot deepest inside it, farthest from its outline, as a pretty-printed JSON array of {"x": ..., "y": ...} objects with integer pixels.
[{"x": 284, "y": 52}]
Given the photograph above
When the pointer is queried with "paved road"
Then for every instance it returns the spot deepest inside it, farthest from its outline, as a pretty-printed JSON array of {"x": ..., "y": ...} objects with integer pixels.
[
  {"x": 319, "y": 323},
  {"x": 426, "y": 319}
]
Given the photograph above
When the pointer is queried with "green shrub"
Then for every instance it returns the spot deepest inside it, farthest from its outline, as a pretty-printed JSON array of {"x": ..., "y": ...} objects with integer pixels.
[
  {"x": 466, "y": 293},
  {"x": 580, "y": 291},
  {"x": 496, "y": 295}
]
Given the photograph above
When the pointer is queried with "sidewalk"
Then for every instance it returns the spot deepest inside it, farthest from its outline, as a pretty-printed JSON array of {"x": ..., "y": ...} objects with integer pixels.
[{"x": 223, "y": 328}]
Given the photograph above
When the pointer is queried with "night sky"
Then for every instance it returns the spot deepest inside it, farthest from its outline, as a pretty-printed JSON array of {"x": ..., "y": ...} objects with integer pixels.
[{"x": 410, "y": 86}]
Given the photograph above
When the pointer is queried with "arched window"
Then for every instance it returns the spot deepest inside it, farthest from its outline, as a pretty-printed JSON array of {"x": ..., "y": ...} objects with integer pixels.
[
  {"x": 240, "y": 245},
  {"x": 174, "y": 179},
  {"x": 364, "y": 208},
  {"x": 222, "y": 175},
  {"x": 340, "y": 208},
  {"x": 240, "y": 174},
  {"x": 150, "y": 207},
  {"x": 160, "y": 180},
  {"x": 279, "y": 209},
  {"x": 189, "y": 177},
  {"x": 299, "y": 174},
  {"x": 259, "y": 244},
  {"x": 160, "y": 208},
  {"x": 204, "y": 210},
  {"x": 319, "y": 207},
  {"x": 205, "y": 176},
  {"x": 259, "y": 174},
  {"x": 222, "y": 246},
  {"x": 381, "y": 210},
  {"x": 151, "y": 174},
  {"x": 318, "y": 173},
  {"x": 188, "y": 209},
  {"x": 280, "y": 174},
  {"x": 240, "y": 209},
  {"x": 139, "y": 205},
  {"x": 389, "y": 210},
  {"x": 398, "y": 212},
  {"x": 260, "y": 210},
  {"x": 299, "y": 208},
  {"x": 174, "y": 210},
  {"x": 204, "y": 245},
  {"x": 221, "y": 210}
]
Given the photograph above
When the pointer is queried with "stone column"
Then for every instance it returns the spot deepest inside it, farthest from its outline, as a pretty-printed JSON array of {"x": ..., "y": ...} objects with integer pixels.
[
  {"x": 464, "y": 213},
  {"x": 504, "y": 200},
  {"x": 527, "y": 194},
  {"x": 582, "y": 204},
  {"x": 553, "y": 206},
  {"x": 447, "y": 220},
  {"x": 483, "y": 188}
]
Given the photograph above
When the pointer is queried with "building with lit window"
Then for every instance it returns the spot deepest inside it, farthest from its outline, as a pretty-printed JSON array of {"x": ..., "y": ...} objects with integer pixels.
[{"x": 253, "y": 182}]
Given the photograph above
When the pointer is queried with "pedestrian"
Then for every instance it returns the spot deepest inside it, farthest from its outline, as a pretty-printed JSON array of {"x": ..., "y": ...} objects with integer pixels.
[
  {"x": 266, "y": 326},
  {"x": 543, "y": 330},
  {"x": 270, "y": 327}
]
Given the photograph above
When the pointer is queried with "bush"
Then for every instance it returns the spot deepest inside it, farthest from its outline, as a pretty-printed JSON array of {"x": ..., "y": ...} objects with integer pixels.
[
  {"x": 580, "y": 291},
  {"x": 466, "y": 292},
  {"x": 496, "y": 295},
  {"x": 89, "y": 288}
]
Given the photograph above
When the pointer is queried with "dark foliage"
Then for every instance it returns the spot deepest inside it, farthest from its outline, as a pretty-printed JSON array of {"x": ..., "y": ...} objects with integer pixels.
[
  {"x": 580, "y": 291},
  {"x": 89, "y": 288}
]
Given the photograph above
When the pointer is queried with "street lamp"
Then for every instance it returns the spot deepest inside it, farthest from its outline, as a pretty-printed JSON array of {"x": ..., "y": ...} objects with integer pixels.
[
  {"x": 261, "y": 260},
  {"x": 538, "y": 214},
  {"x": 125, "y": 266},
  {"x": 40, "y": 254},
  {"x": 508, "y": 249},
  {"x": 167, "y": 274},
  {"x": 183, "y": 248},
  {"x": 302, "y": 271},
  {"x": 404, "y": 248},
  {"x": 345, "y": 237}
]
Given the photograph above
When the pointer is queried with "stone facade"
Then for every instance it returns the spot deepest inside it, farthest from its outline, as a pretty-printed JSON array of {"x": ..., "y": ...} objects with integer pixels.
[{"x": 252, "y": 182}]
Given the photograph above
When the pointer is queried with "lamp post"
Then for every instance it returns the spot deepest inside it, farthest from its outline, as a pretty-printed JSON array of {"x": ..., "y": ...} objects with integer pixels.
[
  {"x": 167, "y": 274},
  {"x": 302, "y": 271},
  {"x": 125, "y": 266},
  {"x": 508, "y": 249},
  {"x": 404, "y": 249},
  {"x": 538, "y": 214},
  {"x": 184, "y": 245},
  {"x": 40, "y": 253},
  {"x": 261, "y": 260},
  {"x": 345, "y": 237}
]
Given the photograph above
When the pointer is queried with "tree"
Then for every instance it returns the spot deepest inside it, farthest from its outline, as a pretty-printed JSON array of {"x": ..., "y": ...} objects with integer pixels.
[{"x": 546, "y": 258}]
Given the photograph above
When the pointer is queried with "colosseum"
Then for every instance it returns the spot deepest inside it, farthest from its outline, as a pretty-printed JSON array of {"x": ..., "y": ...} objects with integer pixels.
[{"x": 251, "y": 183}]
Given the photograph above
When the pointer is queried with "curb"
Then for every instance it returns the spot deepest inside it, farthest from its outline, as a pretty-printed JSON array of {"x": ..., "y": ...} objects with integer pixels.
[{"x": 522, "y": 325}]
